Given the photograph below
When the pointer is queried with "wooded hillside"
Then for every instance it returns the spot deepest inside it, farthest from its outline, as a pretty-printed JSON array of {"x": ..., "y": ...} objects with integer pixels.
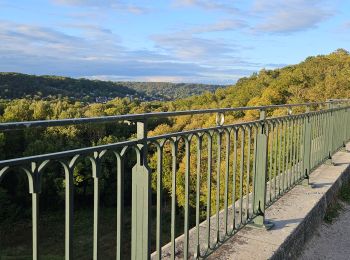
[{"x": 17, "y": 85}]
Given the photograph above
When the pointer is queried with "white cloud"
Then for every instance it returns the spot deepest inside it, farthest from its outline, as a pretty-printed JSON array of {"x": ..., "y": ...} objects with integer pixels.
[
  {"x": 105, "y": 4},
  {"x": 346, "y": 25},
  {"x": 188, "y": 47},
  {"x": 290, "y": 16},
  {"x": 207, "y": 5},
  {"x": 223, "y": 25}
]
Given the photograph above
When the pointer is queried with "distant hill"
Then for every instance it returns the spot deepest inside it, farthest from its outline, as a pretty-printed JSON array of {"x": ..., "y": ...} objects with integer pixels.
[
  {"x": 169, "y": 91},
  {"x": 17, "y": 85}
]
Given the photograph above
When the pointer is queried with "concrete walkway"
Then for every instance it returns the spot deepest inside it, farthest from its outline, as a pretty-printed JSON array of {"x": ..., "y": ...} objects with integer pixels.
[
  {"x": 330, "y": 241},
  {"x": 297, "y": 216}
]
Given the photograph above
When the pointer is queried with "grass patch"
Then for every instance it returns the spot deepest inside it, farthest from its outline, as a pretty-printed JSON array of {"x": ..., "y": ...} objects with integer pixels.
[{"x": 334, "y": 210}]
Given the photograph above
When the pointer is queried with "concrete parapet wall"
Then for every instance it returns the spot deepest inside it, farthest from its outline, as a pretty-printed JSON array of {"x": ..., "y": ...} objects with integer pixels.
[{"x": 296, "y": 216}]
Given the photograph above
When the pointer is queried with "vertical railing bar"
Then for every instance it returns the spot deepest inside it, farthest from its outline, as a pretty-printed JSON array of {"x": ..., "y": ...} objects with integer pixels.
[
  {"x": 96, "y": 173},
  {"x": 69, "y": 213},
  {"x": 313, "y": 149},
  {"x": 270, "y": 153},
  {"x": 199, "y": 158},
  {"x": 301, "y": 152},
  {"x": 187, "y": 194},
  {"x": 311, "y": 137},
  {"x": 336, "y": 131},
  {"x": 322, "y": 136},
  {"x": 345, "y": 127},
  {"x": 275, "y": 162},
  {"x": 227, "y": 173},
  {"x": 312, "y": 119},
  {"x": 35, "y": 220},
  {"x": 327, "y": 115},
  {"x": 330, "y": 129},
  {"x": 234, "y": 174},
  {"x": 323, "y": 155},
  {"x": 293, "y": 147},
  {"x": 254, "y": 166},
  {"x": 318, "y": 139},
  {"x": 282, "y": 156},
  {"x": 280, "y": 166},
  {"x": 218, "y": 170},
  {"x": 297, "y": 155},
  {"x": 241, "y": 177},
  {"x": 342, "y": 119},
  {"x": 289, "y": 152},
  {"x": 315, "y": 140},
  {"x": 248, "y": 174},
  {"x": 159, "y": 200},
  {"x": 285, "y": 123},
  {"x": 346, "y": 124},
  {"x": 173, "y": 199},
  {"x": 210, "y": 144},
  {"x": 120, "y": 206}
]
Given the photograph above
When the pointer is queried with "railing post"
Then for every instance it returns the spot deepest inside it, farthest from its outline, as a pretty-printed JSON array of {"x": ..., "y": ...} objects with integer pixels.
[
  {"x": 35, "y": 211},
  {"x": 260, "y": 177},
  {"x": 141, "y": 199},
  {"x": 307, "y": 149},
  {"x": 35, "y": 190}
]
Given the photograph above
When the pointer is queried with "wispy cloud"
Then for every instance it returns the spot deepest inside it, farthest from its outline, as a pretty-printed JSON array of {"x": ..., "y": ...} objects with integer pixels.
[
  {"x": 188, "y": 47},
  {"x": 89, "y": 43},
  {"x": 346, "y": 25},
  {"x": 105, "y": 4},
  {"x": 220, "y": 26},
  {"x": 207, "y": 4},
  {"x": 290, "y": 16}
]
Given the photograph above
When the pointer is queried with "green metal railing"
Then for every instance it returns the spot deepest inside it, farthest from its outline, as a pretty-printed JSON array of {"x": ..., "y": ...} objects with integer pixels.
[{"x": 240, "y": 169}]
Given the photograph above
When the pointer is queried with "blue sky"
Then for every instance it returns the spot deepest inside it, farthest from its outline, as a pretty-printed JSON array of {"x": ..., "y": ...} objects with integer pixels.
[{"x": 203, "y": 41}]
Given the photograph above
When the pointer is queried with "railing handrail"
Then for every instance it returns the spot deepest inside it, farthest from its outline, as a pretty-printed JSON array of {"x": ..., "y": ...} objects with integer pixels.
[
  {"x": 99, "y": 148},
  {"x": 145, "y": 116}
]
